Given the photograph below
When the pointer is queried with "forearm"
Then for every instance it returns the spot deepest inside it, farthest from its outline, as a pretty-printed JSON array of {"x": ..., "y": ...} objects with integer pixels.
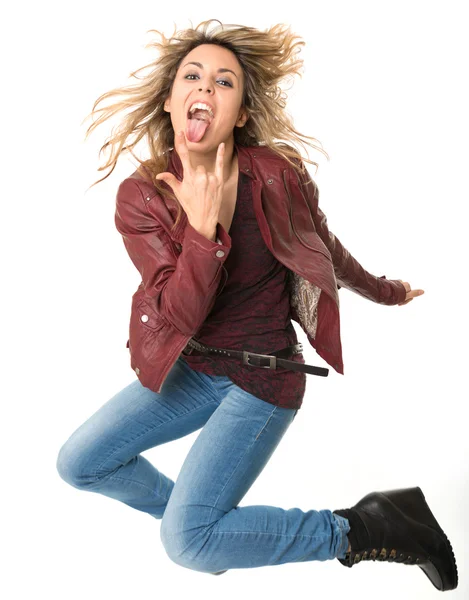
[{"x": 349, "y": 272}]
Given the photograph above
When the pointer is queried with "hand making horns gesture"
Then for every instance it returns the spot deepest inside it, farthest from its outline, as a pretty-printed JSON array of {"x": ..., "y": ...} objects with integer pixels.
[{"x": 200, "y": 193}]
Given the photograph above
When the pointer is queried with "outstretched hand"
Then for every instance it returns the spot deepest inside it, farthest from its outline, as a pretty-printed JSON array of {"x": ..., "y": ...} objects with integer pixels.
[{"x": 411, "y": 294}]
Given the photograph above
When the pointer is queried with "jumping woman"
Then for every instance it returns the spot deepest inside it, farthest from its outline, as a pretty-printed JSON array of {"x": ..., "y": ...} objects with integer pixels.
[{"x": 223, "y": 224}]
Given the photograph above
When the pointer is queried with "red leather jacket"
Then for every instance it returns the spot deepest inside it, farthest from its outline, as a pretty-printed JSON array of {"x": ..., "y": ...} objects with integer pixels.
[{"x": 182, "y": 271}]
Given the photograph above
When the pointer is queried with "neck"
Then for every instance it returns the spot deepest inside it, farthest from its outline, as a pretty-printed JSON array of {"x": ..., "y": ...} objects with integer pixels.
[{"x": 230, "y": 161}]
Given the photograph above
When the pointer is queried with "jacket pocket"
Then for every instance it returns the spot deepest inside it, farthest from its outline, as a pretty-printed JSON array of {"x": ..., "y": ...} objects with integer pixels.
[
  {"x": 148, "y": 316},
  {"x": 144, "y": 327}
]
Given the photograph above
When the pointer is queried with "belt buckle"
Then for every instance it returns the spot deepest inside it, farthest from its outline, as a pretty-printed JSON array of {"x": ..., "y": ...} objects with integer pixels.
[{"x": 272, "y": 360}]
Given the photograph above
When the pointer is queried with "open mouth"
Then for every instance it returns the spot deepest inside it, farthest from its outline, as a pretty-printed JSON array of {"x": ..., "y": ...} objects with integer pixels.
[{"x": 197, "y": 124}]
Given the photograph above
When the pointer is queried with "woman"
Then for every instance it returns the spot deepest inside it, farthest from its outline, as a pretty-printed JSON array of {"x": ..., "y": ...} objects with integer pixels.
[{"x": 224, "y": 227}]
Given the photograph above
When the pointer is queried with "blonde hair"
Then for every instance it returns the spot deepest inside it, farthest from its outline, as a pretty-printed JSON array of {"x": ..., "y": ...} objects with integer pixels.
[{"x": 266, "y": 57}]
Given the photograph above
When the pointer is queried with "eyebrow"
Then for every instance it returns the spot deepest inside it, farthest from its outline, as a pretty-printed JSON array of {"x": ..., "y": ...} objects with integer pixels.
[{"x": 197, "y": 64}]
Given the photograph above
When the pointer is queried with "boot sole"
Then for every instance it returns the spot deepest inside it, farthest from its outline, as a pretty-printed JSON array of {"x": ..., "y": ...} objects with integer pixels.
[{"x": 412, "y": 503}]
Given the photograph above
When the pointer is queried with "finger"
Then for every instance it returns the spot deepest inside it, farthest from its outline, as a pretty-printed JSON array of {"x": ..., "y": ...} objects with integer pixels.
[
  {"x": 169, "y": 179},
  {"x": 212, "y": 184},
  {"x": 201, "y": 177},
  {"x": 219, "y": 162},
  {"x": 411, "y": 295},
  {"x": 183, "y": 151}
]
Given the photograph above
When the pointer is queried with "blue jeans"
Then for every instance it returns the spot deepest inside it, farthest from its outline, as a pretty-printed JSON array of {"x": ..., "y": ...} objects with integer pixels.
[{"x": 203, "y": 527}]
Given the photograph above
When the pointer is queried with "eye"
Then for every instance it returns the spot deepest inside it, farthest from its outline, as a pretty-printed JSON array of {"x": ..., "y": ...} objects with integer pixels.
[{"x": 221, "y": 80}]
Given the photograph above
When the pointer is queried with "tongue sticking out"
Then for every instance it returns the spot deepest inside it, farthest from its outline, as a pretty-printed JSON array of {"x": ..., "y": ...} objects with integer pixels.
[{"x": 195, "y": 129}]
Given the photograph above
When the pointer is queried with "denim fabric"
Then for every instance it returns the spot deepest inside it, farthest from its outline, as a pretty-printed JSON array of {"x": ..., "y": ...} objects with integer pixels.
[{"x": 202, "y": 525}]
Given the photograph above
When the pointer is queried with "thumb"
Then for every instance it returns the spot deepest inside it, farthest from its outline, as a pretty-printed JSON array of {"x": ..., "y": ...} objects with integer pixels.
[{"x": 168, "y": 178}]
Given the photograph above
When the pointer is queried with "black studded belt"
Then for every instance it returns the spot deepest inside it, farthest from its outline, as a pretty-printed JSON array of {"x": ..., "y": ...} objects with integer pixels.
[{"x": 265, "y": 361}]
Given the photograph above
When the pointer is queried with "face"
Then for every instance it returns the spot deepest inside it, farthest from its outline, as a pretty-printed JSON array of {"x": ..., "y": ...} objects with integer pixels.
[{"x": 204, "y": 82}]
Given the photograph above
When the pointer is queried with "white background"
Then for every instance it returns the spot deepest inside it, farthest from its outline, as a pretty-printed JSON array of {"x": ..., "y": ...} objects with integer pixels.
[{"x": 385, "y": 91}]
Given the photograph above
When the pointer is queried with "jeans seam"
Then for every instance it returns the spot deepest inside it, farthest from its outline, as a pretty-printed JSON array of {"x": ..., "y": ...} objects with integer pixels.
[
  {"x": 311, "y": 537},
  {"x": 265, "y": 424},
  {"x": 271, "y": 533}
]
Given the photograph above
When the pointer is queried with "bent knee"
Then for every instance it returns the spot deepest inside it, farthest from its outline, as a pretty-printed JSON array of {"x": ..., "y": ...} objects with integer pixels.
[
  {"x": 65, "y": 465},
  {"x": 172, "y": 542},
  {"x": 70, "y": 465},
  {"x": 187, "y": 548}
]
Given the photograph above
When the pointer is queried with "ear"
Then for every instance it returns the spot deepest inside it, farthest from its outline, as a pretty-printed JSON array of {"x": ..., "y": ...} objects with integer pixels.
[
  {"x": 167, "y": 104},
  {"x": 242, "y": 117}
]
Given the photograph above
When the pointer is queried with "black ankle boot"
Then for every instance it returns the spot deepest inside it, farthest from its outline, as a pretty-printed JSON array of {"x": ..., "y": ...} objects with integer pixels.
[{"x": 398, "y": 526}]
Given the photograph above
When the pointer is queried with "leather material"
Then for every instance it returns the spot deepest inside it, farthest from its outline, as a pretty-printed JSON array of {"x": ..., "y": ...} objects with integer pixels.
[
  {"x": 181, "y": 264},
  {"x": 398, "y": 526},
  {"x": 266, "y": 361}
]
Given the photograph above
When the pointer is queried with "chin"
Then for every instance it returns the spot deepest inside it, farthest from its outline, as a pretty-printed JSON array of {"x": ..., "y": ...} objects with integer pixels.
[{"x": 205, "y": 144}]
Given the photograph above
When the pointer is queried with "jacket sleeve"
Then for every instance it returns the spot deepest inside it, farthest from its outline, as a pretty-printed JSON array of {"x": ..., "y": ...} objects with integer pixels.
[
  {"x": 182, "y": 288},
  {"x": 349, "y": 272}
]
